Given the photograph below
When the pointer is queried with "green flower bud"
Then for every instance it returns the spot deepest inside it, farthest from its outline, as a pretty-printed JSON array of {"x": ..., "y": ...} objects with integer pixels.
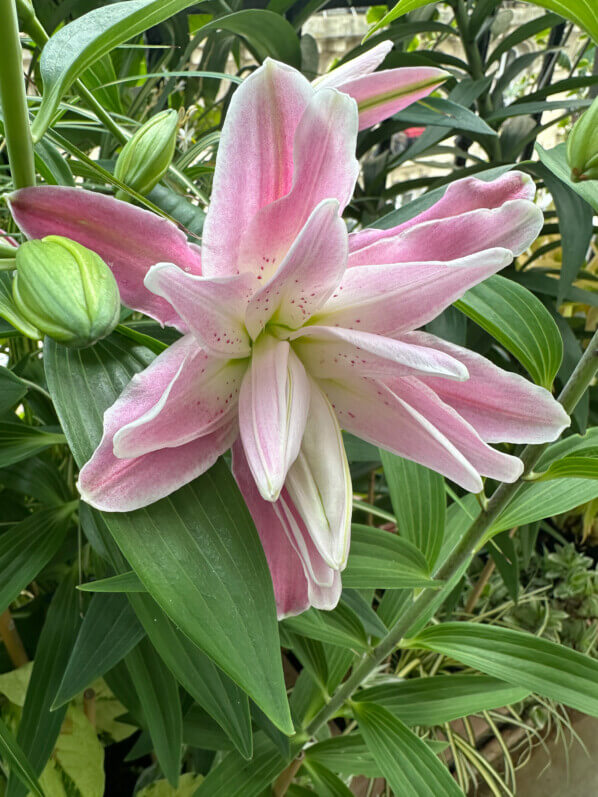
[
  {"x": 147, "y": 155},
  {"x": 582, "y": 146},
  {"x": 66, "y": 291}
]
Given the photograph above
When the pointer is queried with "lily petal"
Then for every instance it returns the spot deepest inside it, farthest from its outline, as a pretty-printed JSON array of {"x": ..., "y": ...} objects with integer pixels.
[
  {"x": 329, "y": 351},
  {"x": 255, "y": 159},
  {"x": 514, "y": 226},
  {"x": 390, "y": 299},
  {"x": 121, "y": 485},
  {"x": 307, "y": 276},
  {"x": 199, "y": 398},
  {"x": 382, "y": 94},
  {"x": 128, "y": 239},
  {"x": 295, "y": 588},
  {"x": 486, "y": 460},
  {"x": 462, "y": 196},
  {"x": 500, "y": 405},
  {"x": 273, "y": 407},
  {"x": 213, "y": 309},
  {"x": 319, "y": 482},
  {"x": 364, "y": 64},
  {"x": 372, "y": 411},
  {"x": 325, "y": 168}
]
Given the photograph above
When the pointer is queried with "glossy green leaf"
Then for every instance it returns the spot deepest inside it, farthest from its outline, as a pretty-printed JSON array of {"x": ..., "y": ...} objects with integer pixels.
[
  {"x": 197, "y": 552},
  {"x": 266, "y": 33},
  {"x": 125, "y": 582},
  {"x": 17, "y": 761},
  {"x": 583, "y": 466},
  {"x": 27, "y": 547},
  {"x": 159, "y": 698},
  {"x": 76, "y": 46},
  {"x": 235, "y": 776},
  {"x": 347, "y": 754},
  {"x": 19, "y": 441},
  {"x": 438, "y": 112},
  {"x": 407, "y": 763},
  {"x": 109, "y": 631},
  {"x": 575, "y": 227},
  {"x": 207, "y": 684},
  {"x": 381, "y": 560},
  {"x": 341, "y": 626},
  {"x": 39, "y": 726},
  {"x": 581, "y": 12},
  {"x": 556, "y": 160},
  {"x": 442, "y": 698},
  {"x": 522, "y": 659},
  {"x": 419, "y": 503},
  {"x": 12, "y": 389},
  {"x": 200, "y": 730},
  {"x": 520, "y": 322}
]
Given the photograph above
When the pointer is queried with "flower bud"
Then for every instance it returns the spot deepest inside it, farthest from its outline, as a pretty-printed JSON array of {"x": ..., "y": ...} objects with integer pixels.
[
  {"x": 582, "y": 146},
  {"x": 66, "y": 291},
  {"x": 147, "y": 155}
]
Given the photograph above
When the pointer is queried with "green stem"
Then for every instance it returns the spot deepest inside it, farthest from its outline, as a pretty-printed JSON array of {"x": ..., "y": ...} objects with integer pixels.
[
  {"x": 478, "y": 72},
  {"x": 576, "y": 386},
  {"x": 14, "y": 99}
]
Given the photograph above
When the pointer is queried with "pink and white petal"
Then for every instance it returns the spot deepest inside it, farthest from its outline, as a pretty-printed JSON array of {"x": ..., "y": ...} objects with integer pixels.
[
  {"x": 128, "y": 239},
  {"x": 371, "y": 410},
  {"x": 486, "y": 460},
  {"x": 254, "y": 166},
  {"x": 122, "y": 485},
  {"x": 460, "y": 197},
  {"x": 514, "y": 226},
  {"x": 390, "y": 299},
  {"x": 273, "y": 407},
  {"x": 326, "y": 351},
  {"x": 382, "y": 94},
  {"x": 295, "y": 589},
  {"x": 325, "y": 168},
  {"x": 213, "y": 309},
  {"x": 500, "y": 405},
  {"x": 319, "y": 482},
  {"x": 307, "y": 276},
  {"x": 200, "y": 398},
  {"x": 364, "y": 64}
]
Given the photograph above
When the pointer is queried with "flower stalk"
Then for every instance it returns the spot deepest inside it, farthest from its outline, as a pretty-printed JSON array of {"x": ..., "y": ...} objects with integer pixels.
[
  {"x": 576, "y": 386},
  {"x": 13, "y": 97}
]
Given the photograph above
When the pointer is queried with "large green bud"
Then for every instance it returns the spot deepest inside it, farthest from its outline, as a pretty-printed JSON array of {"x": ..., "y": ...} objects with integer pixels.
[
  {"x": 147, "y": 155},
  {"x": 66, "y": 291},
  {"x": 582, "y": 146}
]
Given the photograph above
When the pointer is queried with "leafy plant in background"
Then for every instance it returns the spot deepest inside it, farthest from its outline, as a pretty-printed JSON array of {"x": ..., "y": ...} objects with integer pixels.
[{"x": 161, "y": 621}]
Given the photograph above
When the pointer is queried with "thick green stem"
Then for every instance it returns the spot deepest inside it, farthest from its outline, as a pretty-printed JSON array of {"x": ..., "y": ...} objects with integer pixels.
[
  {"x": 572, "y": 392},
  {"x": 14, "y": 99}
]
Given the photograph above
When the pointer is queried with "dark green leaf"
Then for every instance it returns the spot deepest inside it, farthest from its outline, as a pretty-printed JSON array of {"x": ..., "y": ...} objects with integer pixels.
[
  {"x": 109, "y": 631},
  {"x": 39, "y": 726},
  {"x": 407, "y": 763},
  {"x": 520, "y": 322},
  {"x": 522, "y": 659},
  {"x": 19, "y": 441},
  {"x": 28, "y": 546},
  {"x": 159, "y": 698},
  {"x": 266, "y": 33},
  {"x": 381, "y": 560},
  {"x": 444, "y": 113},
  {"x": 12, "y": 389},
  {"x": 17, "y": 761},
  {"x": 556, "y": 160},
  {"x": 341, "y": 627},
  {"x": 442, "y": 698},
  {"x": 126, "y": 582},
  {"x": 419, "y": 503},
  {"x": 326, "y": 783}
]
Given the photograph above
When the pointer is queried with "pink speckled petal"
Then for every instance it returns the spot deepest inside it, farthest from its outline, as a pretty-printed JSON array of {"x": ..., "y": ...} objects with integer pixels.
[
  {"x": 500, "y": 405},
  {"x": 212, "y": 309}
]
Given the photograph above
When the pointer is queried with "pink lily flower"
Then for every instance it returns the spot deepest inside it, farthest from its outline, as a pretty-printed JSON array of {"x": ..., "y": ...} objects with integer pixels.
[
  {"x": 381, "y": 94},
  {"x": 293, "y": 329}
]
